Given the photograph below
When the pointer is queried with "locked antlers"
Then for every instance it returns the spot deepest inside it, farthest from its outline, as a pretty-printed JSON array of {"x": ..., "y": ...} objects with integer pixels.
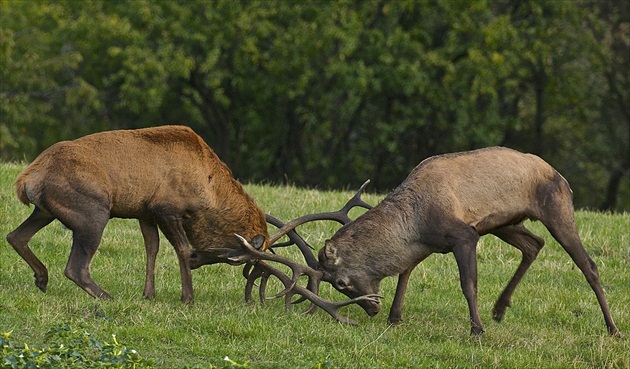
[
  {"x": 292, "y": 287},
  {"x": 257, "y": 268}
]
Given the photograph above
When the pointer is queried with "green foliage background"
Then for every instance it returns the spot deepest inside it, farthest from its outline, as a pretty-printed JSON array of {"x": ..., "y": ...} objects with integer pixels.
[{"x": 330, "y": 93}]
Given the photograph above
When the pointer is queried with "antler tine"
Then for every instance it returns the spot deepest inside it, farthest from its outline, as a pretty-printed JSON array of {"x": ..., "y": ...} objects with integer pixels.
[
  {"x": 311, "y": 261},
  {"x": 313, "y": 286},
  {"x": 259, "y": 272},
  {"x": 340, "y": 215},
  {"x": 355, "y": 201},
  {"x": 296, "y": 239},
  {"x": 252, "y": 276},
  {"x": 250, "y": 256}
]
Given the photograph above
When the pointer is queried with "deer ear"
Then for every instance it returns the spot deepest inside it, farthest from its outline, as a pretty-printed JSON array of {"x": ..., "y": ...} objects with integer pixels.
[
  {"x": 258, "y": 241},
  {"x": 330, "y": 251}
]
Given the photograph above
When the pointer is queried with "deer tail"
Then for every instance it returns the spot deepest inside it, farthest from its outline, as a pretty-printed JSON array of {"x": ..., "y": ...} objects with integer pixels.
[{"x": 20, "y": 188}]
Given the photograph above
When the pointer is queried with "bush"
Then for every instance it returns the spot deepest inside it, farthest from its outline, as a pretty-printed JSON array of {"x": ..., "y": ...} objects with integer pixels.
[{"x": 70, "y": 348}]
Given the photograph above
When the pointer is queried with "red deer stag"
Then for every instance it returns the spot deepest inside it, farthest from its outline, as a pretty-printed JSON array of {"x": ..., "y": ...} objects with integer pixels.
[
  {"x": 446, "y": 203},
  {"x": 166, "y": 177}
]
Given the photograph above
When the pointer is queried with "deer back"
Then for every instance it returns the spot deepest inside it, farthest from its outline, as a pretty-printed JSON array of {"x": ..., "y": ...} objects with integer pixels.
[{"x": 136, "y": 173}]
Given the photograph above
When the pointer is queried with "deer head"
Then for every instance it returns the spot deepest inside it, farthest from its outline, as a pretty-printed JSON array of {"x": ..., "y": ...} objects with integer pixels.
[{"x": 352, "y": 282}]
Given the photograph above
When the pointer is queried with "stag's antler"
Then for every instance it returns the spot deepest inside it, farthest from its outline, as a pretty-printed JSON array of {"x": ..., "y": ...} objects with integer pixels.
[{"x": 340, "y": 215}]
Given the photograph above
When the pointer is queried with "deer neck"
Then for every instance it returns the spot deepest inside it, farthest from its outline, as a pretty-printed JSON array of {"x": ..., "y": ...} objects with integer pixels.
[{"x": 227, "y": 211}]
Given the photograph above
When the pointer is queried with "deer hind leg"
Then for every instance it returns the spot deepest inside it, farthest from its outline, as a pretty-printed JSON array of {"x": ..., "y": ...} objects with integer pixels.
[
  {"x": 20, "y": 237},
  {"x": 530, "y": 245},
  {"x": 561, "y": 224},
  {"x": 152, "y": 246},
  {"x": 86, "y": 237}
]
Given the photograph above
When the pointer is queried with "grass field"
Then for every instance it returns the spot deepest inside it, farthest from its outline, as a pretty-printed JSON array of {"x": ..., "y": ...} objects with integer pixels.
[{"x": 554, "y": 321}]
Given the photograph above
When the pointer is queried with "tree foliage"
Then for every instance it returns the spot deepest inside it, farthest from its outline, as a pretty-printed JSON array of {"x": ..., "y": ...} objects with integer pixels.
[{"x": 330, "y": 93}]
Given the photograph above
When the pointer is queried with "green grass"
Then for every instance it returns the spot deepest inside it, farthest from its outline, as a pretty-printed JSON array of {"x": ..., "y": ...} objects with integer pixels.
[{"x": 554, "y": 322}]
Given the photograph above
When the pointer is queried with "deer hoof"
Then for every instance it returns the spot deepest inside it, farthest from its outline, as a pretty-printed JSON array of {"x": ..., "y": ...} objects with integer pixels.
[
  {"x": 614, "y": 332},
  {"x": 499, "y": 311},
  {"x": 104, "y": 296},
  {"x": 41, "y": 282},
  {"x": 394, "y": 321},
  {"x": 148, "y": 296}
]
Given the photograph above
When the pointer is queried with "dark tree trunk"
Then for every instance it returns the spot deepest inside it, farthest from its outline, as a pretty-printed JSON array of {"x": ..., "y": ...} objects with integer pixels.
[
  {"x": 539, "y": 119},
  {"x": 612, "y": 190}
]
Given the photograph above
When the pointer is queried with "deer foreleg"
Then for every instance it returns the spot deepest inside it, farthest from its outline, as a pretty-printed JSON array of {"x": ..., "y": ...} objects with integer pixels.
[
  {"x": 172, "y": 228},
  {"x": 85, "y": 242},
  {"x": 395, "y": 313},
  {"x": 570, "y": 241},
  {"x": 152, "y": 246}
]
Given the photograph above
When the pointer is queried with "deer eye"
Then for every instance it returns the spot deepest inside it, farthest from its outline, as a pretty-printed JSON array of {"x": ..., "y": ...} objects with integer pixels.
[{"x": 342, "y": 283}]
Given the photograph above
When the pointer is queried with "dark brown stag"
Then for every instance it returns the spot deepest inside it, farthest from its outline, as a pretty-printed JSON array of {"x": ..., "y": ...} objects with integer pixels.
[
  {"x": 446, "y": 203},
  {"x": 166, "y": 177}
]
